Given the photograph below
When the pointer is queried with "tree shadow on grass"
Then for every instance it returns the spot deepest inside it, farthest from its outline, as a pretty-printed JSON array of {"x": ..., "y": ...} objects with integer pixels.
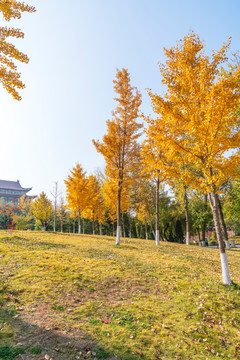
[{"x": 22, "y": 340}]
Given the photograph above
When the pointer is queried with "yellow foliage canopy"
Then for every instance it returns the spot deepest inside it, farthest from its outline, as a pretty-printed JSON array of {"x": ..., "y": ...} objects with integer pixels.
[
  {"x": 77, "y": 190},
  {"x": 42, "y": 209},
  {"x": 9, "y": 76},
  {"x": 196, "y": 124}
]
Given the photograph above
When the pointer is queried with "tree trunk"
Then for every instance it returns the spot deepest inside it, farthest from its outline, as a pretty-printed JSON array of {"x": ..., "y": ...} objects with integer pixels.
[
  {"x": 74, "y": 226},
  {"x": 223, "y": 225},
  {"x": 204, "y": 224},
  {"x": 157, "y": 238},
  {"x": 93, "y": 223},
  {"x": 55, "y": 195},
  {"x": 54, "y": 221},
  {"x": 83, "y": 226},
  {"x": 130, "y": 227},
  {"x": 157, "y": 212},
  {"x": 61, "y": 226},
  {"x": 146, "y": 231},
  {"x": 136, "y": 228},
  {"x": 119, "y": 213},
  {"x": 224, "y": 263},
  {"x": 79, "y": 222},
  {"x": 188, "y": 236},
  {"x": 100, "y": 228},
  {"x": 123, "y": 225},
  {"x": 150, "y": 221}
]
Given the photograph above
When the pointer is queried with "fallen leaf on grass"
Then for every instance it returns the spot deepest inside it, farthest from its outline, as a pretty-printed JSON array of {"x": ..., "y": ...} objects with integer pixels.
[
  {"x": 139, "y": 352},
  {"x": 106, "y": 321}
]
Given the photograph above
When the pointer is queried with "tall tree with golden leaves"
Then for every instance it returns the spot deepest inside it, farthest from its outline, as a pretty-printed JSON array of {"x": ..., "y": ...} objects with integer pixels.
[
  {"x": 156, "y": 167},
  {"x": 197, "y": 122},
  {"x": 9, "y": 76},
  {"x": 119, "y": 146},
  {"x": 42, "y": 210},
  {"x": 77, "y": 192}
]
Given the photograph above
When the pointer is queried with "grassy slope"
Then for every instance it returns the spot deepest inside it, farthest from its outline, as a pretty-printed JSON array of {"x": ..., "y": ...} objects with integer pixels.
[{"x": 135, "y": 301}]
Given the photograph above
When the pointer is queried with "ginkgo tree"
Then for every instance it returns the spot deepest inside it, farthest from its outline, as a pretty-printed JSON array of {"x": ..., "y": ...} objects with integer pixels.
[
  {"x": 42, "y": 210},
  {"x": 9, "y": 75},
  {"x": 156, "y": 166},
  {"x": 77, "y": 192},
  {"x": 119, "y": 145},
  {"x": 197, "y": 121}
]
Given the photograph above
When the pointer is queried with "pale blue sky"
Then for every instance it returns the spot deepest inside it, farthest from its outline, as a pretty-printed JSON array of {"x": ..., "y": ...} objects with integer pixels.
[{"x": 74, "y": 48}]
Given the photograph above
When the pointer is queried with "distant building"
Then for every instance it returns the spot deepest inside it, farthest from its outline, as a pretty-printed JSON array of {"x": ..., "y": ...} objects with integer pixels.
[{"x": 12, "y": 190}]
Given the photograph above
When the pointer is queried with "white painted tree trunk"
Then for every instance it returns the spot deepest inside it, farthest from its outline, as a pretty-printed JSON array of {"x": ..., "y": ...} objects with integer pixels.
[
  {"x": 225, "y": 271},
  {"x": 157, "y": 213},
  {"x": 146, "y": 231},
  {"x": 79, "y": 222},
  {"x": 118, "y": 235},
  {"x": 224, "y": 263},
  {"x": 188, "y": 237}
]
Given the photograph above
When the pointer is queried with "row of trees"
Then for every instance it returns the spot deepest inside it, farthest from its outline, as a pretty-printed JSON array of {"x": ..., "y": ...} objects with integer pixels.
[
  {"x": 192, "y": 142},
  {"x": 138, "y": 218}
]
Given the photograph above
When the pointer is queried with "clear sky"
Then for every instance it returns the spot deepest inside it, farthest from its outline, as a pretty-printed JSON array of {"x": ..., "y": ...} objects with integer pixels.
[{"x": 75, "y": 47}]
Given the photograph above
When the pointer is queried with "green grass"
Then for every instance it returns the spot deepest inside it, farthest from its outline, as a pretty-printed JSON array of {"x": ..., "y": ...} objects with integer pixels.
[
  {"x": 35, "y": 350},
  {"x": 9, "y": 353},
  {"x": 135, "y": 301}
]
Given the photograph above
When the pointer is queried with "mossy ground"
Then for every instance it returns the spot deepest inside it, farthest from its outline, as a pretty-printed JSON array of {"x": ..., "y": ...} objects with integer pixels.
[{"x": 81, "y": 297}]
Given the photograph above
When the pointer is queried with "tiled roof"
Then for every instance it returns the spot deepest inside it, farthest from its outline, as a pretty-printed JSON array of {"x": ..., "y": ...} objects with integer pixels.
[{"x": 12, "y": 185}]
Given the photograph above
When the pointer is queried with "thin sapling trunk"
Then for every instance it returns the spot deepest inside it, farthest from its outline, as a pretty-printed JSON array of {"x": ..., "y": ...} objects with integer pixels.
[
  {"x": 157, "y": 212},
  {"x": 188, "y": 237}
]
